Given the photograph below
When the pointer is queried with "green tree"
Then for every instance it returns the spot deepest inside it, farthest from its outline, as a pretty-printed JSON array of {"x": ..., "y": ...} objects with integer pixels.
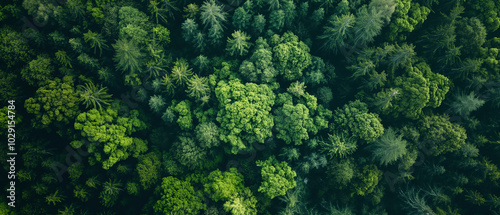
[
  {"x": 14, "y": 49},
  {"x": 248, "y": 104},
  {"x": 57, "y": 101},
  {"x": 441, "y": 134},
  {"x": 110, "y": 135},
  {"x": 408, "y": 16},
  {"x": 293, "y": 122},
  {"x": 238, "y": 45},
  {"x": 191, "y": 10},
  {"x": 338, "y": 146},
  {"x": 389, "y": 147},
  {"x": 365, "y": 181},
  {"x": 291, "y": 56},
  {"x": 259, "y": 68},
  {"x": 96, "y": 41},
  {"x": 241, "y": 18},
  {"x": 181, "y": 72},
  {"x": 197, "y": 87},
  {"x": 149, "y": 169},
  {"x": 38, "y": 71},
  {"x": 277, "y": 177},
  {"x": 341, "y": 173},
  {"x": 464, "y": 104},
  {"x": 95, "y": 95},
  {"x": 258, "y": 24},
  {"x": 63, "y": 58},
  {"x": 241, "y": 204},
  {"x": 354, "y": 120},
  {"x": 213, "y": 17},
  {"x": 157, "y": 103},
  {"x": 110, "y": 191},
  {"x": 338, "y": 32},
  {"x": 178, "y": 197},
  {"x": 54, "y": 198},
  {"x": 207, "y": 134},
  {"x": 128, "y": 56},
  {"x": 189, "y": 30},
  {"x": 183, "y": 109},
  {"x": 224, "y": 185},
  {"x": 188, "y": 153},
  {"x": 488, "y": 11}
]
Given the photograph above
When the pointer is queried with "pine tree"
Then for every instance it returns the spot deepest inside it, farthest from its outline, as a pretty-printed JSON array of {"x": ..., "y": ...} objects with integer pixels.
[
  {"x": 95, "y": 95},
  {"x": 337, "y": 32},
  {"x": 238, "y": 45},
  {"x": 389, "y": 147},
  {"x": 197, "y": 87},
  {"x": 95, "y": 40},
  {"x": 128, "y": 56}
]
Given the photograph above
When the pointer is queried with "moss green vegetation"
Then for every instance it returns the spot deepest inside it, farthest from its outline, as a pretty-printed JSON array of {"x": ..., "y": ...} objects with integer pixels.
[{"x": 249, "y": 107}]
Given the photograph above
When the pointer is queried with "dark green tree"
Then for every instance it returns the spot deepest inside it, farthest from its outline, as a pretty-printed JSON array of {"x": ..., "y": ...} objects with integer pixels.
[{"x": 128, "y": 56}]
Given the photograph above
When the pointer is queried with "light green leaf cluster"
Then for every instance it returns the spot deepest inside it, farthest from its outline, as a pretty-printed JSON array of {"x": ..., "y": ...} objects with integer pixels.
[
  {"x": 354, "y": 120},
  {"x": 178, "y": 197},
  {"x": 291, "y": 56},
  {"x": 110, "y": 135},
  {"x": 57, "y": 101},
  {"x": 277, "y": 177},
  {"x": 244, "y": 113}
]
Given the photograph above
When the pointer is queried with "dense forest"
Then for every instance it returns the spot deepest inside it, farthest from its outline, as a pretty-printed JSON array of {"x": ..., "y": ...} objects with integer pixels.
[{"x": 245, "y": 107}]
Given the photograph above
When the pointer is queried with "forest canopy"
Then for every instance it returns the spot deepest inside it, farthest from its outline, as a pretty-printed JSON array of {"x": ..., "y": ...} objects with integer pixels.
[{"x": 246, "y": 107}]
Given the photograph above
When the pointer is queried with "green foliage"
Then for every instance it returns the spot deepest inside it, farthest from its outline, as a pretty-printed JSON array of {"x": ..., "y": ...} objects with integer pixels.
[
  {"x": 241, "y": 204},
  {"x": 338, "y": 146},
  {"x": 157, "y": 103},
  {"x": 183, "y": 109},
  {"x": 238, "y": 45},
  {"x": 487, "y": 11},
  {"x": 207, "y": 134},
  {"x": 180, "y": 72},
  {"x": 95, "y": 40},
  {"x": 442, "y": 135},
  {"x": 38, "y": 71},
  {"x": 14, "y": 49},
  {"x": 63, "y": 58},
  {"x": 248, "y": 104},
  {"x": 149, "y": 169},
  {"x": 128, "y": 56},
  {"x": 110, "y": 135},
  {"x": 188, "y": 153},
  {"x": 224, "y": 185},
  {"x": 293, "y": 123},
  {"x": 198, "y": 87},
  {"x": 354, "y": 120},
  {"x": 366, "y": 180},
  {"x": 408, "y": 16},
  {"x": 57, "y": 101},
  {"x": 340, "y": 173},
  {"x": 241, "y": 18},
  {"x": 95, "y": 95},
  {"x": 259, "y": 67},
  {"x": 213, "y": 17},
  {"x": 414, "y": 202},
  {"x": 277, "y": 177},
  {"x": 464, "y": 104},
  {"x": 337, "y": 32},
  {"x": 291, "y": 56},
  {"x": 110, "y": 191},
  {"x": 178, "y": 197},
  {"x": 54, "y": 198},
  {"x": 389, "y": 147}
]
